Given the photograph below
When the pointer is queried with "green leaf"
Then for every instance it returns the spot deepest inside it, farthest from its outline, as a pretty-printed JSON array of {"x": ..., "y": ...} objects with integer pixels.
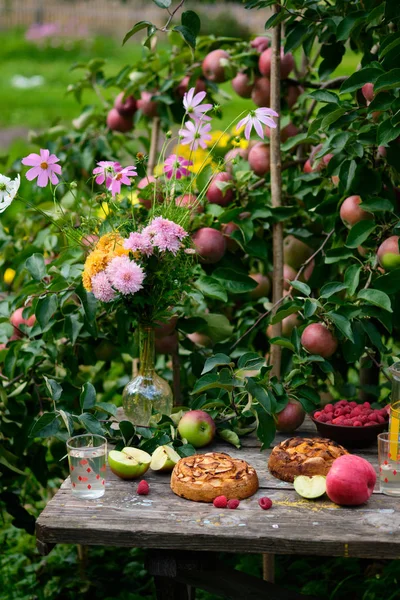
[
  {"x": 325, "y": 96},
  {"x": 229, "y": 436},
  {"x": 36, "y": 266},
  {"x": 128, "y": 431},
  {"x": 91, "y": 424},
  {"x": 376, "y": 204},
  {"x": 334, "y": 287},
  {"x": 218, "y": 327},
  {"x": 163, "y": 3},
  {"x": 45, "y": 309},
  {"x": 211, "y": 288},
  {"x": 68, "y": 422},
  {"x": 216, "y": 361},
  {"x": 310, "y": 307},
  {"x": 107, "y": 407},
  {"x": 301, "y": 287},
  {"x": 138, "y": 27},
  {"x": 387, "y": 132},
  {"x": 55, "y": 389},
  {"x": 346, "y": 26},
  {"x": 337, "y": 254},
  {"x": 352, "y": 279},
  {"x": 342, "y": 324},
  {"x": 377, "y": 298},
  {"x": 266, "y": 428},
  {"x": 389, "y": 283},
  {"x": 89, "y": 303},
  {"x": 285, "y": 311},
  {"x": 295, "y": 38},
  {"x": 213, "y": 380},
  {"x": 87, "y": 398},
  {"x": 73, "y": 326},
  {"x": 251, "y": 360},
  {"x": 234, "y": 282},
  {"x": 360, "y": 78},
  {"x": 259, "y": 393},
  {"x": 46, "y": 426},
  {"x": 186, "y": 34},
  {"x": 387, "y": 81},
  {"x": 359, "y": 233},
  {"x": 191, "y": 20},
  {"x": 284, "y": 342},
  {"x": 332, "y": 117}
]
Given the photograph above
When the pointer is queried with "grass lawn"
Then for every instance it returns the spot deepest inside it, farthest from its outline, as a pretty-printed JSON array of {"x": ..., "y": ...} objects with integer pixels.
[{"x": 48, "y": 104}]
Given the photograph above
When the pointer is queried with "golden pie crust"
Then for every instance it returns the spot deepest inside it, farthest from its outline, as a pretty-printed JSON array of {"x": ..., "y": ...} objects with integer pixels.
[
  {"x": 203, "y": 477},
  {"x": 303, "y": 456}
]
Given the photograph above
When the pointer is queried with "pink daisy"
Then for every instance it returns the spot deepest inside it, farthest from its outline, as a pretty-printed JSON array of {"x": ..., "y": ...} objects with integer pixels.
[
  {"x": 101, "y": 287},
  {"x": 44, "y": 167},
  {"x": 255, "y": 118},
  {"x": 125, "y": 275},
  {"x": 165, "y": 234},
  {"x": 177, "y": 165},
  {"x": 105, "y": 170},
  {"x": 194, "y": 109},
  {"x": 139, "y": 242},
  {"x": 195, "y": 134},
  {"x": 120, "y": 177}
]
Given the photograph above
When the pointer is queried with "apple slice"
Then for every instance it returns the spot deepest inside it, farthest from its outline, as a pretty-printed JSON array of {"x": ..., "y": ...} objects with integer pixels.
[
  {"x": 310, "y": 487},
  {"x": 164, "y": 458},
  {"x": 130, "y": 463}
]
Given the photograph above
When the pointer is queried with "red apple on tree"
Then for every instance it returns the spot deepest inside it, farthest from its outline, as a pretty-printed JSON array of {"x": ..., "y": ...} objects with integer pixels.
[
  {"x": 183, "y": 87},
  {"x": 215, "y": 195},
  {"x": 289, "y": 274},
  {"x": 261, "y": 92},
  {"x": 242, "y": 85},
  {"x": 260, "y": 43},
  {"x": 210, "y": 244},
  {"x": 126, "y": 106},
  {"x": 227, "y": 230},
  {"x": 288, "y": 324},
  {"x": 291, "y": 417},
  {"x": 287, "y": 132},
  {"x": 259, "y": 159},
  {"x": 118, "y": 122},
  {"x": 318, "y": 339},
  {"x": 295, "y": 252},
  {"x": 232, "y": 154},
  {"x": 151, "y": 182},
  {"x": 197, "y": 427},
  {"x": 263, "y": 288},
  {"x": 167, "y": 344},
  {"x": 368, "y": 91},
  {"x": 350, "y": 481},
  {"x": 389, "y": 254},
  {"x": 189, "y": 201},
  {"x": 148, "y": 106},
  {"x": 292, "y": 94},
  {"x": 200, "y": 339},
  {"x": 17, "y": 319},
  {"x": 351, "y": 213},
  {"x": 214, "y": 66}
]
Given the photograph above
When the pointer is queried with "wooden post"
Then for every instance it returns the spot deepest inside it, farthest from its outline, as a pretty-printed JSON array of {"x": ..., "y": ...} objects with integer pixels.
[
  {"x": 155, "y": 132},
  {"x": 277, "y": 231}
]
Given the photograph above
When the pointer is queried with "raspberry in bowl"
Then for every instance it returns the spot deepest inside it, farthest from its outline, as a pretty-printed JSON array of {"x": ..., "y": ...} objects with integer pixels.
[{"x": 350, "y": 423}]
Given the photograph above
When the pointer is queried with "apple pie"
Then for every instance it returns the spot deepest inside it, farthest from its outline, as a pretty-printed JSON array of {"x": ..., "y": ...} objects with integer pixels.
[
  {"x": 203, "y": 477},
  {"x": 303, "y": 456}
]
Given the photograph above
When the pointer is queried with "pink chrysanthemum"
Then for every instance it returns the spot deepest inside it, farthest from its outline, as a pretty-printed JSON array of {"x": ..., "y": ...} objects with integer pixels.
[
  {"x": 44, "y": 167},
  {"x": 125, "y": 275},
  {"x": 165, "y": 234},
  {"x": 121, "y": 176},
  {"x": 177, "y": 165},
  {"x": 101, "y": 287},
  {"x": 105, "y": 171},
  {"x": 139, "y": 242}
]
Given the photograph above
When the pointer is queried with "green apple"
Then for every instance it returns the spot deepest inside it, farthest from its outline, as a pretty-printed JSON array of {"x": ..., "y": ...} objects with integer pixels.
[
  {"x": 310, "y": 487},
  {"x": 164, "y": 458},
  {"x": 197, "y": 428},
  {"x": 130, "y": 463}
]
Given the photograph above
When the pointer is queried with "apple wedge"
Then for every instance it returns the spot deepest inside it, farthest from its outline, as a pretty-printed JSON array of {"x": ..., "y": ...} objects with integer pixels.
[
  {"x": 130, "y": 463},
  {"x": 310, "y": 487},
  {"x": 164, "y": 458}
]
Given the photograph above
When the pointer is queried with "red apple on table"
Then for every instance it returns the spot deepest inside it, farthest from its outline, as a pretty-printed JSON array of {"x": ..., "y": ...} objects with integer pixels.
[
  {"x": 197, "y": 427},
  {"x": 210, "y": 244},
  {"x": 291, "y": 417},
  {"x": 126, "y": 106},
  {"x": 389, "y": 254},
  {"x": 148, "y": 106},
  {"x": 261, "y": 92},
  {"x": 242, "y": 85},
  {"x": 213, "y": 66},
  {"x": 260, "y": 159},
  {"x": 263, "y": 288},
  {"x": 350, "y": 481},
  {"x": 118, "y": 122},
  {"x": 351, "y": 213},
  {"x": 318, "y": 339},
  {"x": 215, "y": 195}
]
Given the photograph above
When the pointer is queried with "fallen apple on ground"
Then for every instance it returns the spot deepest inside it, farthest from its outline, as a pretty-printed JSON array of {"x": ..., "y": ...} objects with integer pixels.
[
  {"x": 164, "y": 458},
  {"x": 130, "y": 463},
  {"x": 310, "y": 487}
]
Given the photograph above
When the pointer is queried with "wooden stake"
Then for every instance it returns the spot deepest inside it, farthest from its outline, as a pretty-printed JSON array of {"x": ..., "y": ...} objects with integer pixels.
[
  {"x": 155, "y": 132},
  {"x": 276, "y": 188}
]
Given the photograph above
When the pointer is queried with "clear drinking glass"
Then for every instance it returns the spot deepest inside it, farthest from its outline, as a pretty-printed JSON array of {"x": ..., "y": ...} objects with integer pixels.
[
  {"x": 389, "y": 463},
  {"x": 87, "y": 465}
]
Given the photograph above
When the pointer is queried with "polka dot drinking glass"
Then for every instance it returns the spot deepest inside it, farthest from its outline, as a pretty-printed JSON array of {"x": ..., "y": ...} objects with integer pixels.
[
  {"x": 87, "y": 465},
  {"x": 389, "y": 463}
]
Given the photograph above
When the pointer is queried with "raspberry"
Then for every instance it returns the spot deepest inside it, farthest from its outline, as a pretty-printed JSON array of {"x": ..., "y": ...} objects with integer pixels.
[
  {"x": 348, "y": 423},
  {"x": 328, "y": 421},
  {"x": 353, "y": 404},
  {"x": 373, "y": 417},
  {"x": 369, "y": 423},
  {"x": 322, "y": 418},
  {"x": 143, "y": 488},
  {"x": 233, "y": 503},
  {"x": 381, "y": 419},
  {"x": 338, "y": 412},
  {"x": 338, "y": 420},
  {"x": 317, "y": 414},
  {"x": 265, "y": 503},
  {"x": 329, "y": 415},
  {"x": 357, "y": 424},
  {"x": 363, "y": 418},
  {"x": 367, "y": 405},
  {"x": 356, "y": 411},
  {"x": 329, "y": 408},
  {"x": 220, "y": 502}
]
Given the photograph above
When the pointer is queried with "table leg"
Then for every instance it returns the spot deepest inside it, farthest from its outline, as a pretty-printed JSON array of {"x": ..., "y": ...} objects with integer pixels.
[
  {"x": 169, "y": 589},
  {"x": 164, "y": 566},
  {"x": 269, "y": 567}
]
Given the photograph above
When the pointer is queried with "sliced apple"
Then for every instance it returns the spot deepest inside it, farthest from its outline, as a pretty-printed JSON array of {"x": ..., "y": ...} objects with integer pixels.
[
  {"x": 164, "y": 458},
  {"x": 310, "y": 487},
  {"x": 130, "y": 463}
]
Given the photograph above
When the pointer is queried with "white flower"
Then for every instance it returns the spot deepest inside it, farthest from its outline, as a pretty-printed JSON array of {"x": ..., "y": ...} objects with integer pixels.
[
  {"x": 194, "y": 109},
  {"x": 8, "y": 191},
  {"x": 255, "y": 118}
]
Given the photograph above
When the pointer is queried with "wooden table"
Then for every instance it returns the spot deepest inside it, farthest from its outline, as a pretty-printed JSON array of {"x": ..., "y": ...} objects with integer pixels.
[{"x": 184, "y": 534}]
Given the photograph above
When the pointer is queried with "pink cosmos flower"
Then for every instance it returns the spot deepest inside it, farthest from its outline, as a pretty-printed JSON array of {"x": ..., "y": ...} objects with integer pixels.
[
  {"x": 105, "y": 170},
  {"x": 125, "y": 275},
  {"x": 194, "y": 109},
  {"x": 44, "y": 167},
  {"x": 101, "y": 287},
  {"x": 176, "y": 165},
  {"x": 196, "y": 134},
  {"x": 255, "y": 118},
  {"x": 165, "y": 234},
  {"x": 140, "y": 242},
  {"x": 120, "y": 177}
]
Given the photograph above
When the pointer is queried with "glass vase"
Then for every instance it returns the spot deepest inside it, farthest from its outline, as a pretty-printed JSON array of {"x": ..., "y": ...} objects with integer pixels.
[{"x": 147, "y": 393}]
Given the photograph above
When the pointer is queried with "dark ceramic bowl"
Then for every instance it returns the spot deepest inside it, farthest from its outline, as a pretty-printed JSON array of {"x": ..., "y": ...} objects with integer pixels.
[{"x": 353, "y": 437}]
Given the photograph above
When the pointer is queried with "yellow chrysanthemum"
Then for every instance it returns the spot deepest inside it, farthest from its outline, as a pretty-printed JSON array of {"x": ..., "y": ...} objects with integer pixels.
[
  {"x": 109, "y": 241},
  {"x": 108, "y": 246},
  {"x": 220, "y": 138}
]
